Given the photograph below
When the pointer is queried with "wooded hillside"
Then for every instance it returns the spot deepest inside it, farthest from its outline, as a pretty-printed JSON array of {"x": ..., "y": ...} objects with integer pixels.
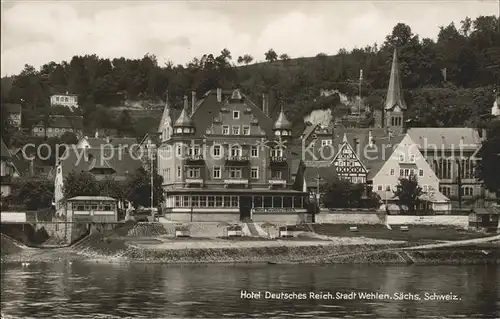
[{"x": 448, "y": 82}]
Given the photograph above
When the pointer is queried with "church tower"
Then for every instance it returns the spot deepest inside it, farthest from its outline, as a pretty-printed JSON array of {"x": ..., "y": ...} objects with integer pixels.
[{"x": 395, "y": 105}]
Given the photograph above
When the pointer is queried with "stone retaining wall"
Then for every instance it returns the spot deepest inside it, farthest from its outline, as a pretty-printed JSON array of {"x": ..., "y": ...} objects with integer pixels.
[
  {"x": 350, "y": 217},
  {"x": 448, "y": 220}
]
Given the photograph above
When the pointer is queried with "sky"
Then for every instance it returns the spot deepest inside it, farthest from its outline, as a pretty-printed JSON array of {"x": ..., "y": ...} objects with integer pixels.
[{"x": 37, "y": 32}]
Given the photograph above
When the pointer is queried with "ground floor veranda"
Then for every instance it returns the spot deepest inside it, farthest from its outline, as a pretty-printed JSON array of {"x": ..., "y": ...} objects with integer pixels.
[{"x": 234, "y": 205}]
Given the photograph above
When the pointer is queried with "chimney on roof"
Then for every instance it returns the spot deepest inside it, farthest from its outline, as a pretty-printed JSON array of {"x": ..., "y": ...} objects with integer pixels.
[
  {"x": 193, "y": 101},
  {"x": 108, "y": 140},
  {"x": 265, "y": 104},
  {"x": 370, "y": 139},
  {"x": 219, "y": 95},
  {"x": 96, "y": 135}
]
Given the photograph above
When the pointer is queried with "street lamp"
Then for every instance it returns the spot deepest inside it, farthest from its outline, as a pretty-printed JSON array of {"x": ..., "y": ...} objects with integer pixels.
[{"x": 318, "y": 178}]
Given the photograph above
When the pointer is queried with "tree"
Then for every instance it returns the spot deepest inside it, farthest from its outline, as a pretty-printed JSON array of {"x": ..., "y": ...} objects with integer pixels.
[
  {"x": 81, "y": 184},
  {"x": 247, "y": 59},
  {"x": 271, "y": 56},
  {"x": 339, "y": 193},
  {"x": 489, "y": 167},
  {"x": 125, "y": 124},
  {"x": 408, "y": 193},
  {"x": 113, "y": 188},
  {"x": 32, "y": 193},
  {"x": 68, "y": 138},
  {"x": 284, "y": 57},
  {"x": 138, "y": 188}
]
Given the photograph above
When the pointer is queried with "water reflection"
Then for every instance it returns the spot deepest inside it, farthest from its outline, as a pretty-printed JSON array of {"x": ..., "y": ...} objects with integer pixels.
[{"x": 145, "y": 291}]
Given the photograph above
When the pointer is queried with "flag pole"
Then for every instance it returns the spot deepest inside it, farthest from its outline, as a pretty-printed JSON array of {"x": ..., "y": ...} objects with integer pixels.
[{"x": 359, "y": 102}]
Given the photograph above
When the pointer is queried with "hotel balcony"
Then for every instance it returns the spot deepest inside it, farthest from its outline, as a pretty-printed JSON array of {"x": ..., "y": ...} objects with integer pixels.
[
  {"x": 236, "y": 181},
  {"x": 237, "y": 159},
  {"x": 194, "y": 180},
  {"x": 277, "y": 181},
  {"x": 277, "y": 160},
  {"x": 195, "y": 159}
]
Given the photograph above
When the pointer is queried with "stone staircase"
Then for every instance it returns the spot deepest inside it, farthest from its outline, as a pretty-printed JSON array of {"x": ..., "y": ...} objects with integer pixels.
[{"x": 252, "y": 230}]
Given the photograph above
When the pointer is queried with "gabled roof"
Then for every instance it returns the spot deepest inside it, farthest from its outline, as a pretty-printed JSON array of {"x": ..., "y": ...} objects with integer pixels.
[
  {"x": 447, "y": 137},
  {"x": 123, "y": 165},
  {"x": 341, "y": 150},
  {"x": 395, "y": 91},
  {"x": 208, "y": 107},
  {"x": 116, "y": 142},
  {"x": 372, "y": 155},
  {"x": 155, "y": 139},
  {"x": 4, "y": 151}
]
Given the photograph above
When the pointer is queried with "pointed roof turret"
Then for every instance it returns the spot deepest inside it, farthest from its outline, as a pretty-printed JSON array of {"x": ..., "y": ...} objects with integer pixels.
[
  {"x": 184, "y": 119},
  {"x": 282, "y": 122},
  {"x": 394, "y": 91},
  {"x": 165, "y": 118}
]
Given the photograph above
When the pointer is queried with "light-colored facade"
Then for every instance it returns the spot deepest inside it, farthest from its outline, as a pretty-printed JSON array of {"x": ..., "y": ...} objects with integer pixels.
[
  {"x": 224, "y": 162},
  {"x": 97, "y": 209},
  {"x": 453, "y": 154},
  {"x": 68, "y": 100},
  {"x": 406, "y": 161}
]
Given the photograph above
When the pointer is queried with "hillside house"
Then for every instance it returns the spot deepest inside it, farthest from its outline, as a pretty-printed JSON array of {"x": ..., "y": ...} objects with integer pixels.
[
  {"x": 57, "y": 125},
  {"x": 64, "y": 99},
  {"x": 14, "y": 112}
]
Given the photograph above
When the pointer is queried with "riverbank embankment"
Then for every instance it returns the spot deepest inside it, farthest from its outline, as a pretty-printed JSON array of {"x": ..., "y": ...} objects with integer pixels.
[
  {"x": 127, "y": 245},
  {"x": 282, "y": 252}
]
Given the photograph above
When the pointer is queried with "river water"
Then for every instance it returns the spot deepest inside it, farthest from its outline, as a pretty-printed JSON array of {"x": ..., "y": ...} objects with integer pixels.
[{"x": 92, "y": 290}]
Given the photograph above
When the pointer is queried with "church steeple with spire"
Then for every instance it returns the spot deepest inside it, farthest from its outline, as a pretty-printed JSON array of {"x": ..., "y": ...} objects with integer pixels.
[{"x": 395, "y": 104}]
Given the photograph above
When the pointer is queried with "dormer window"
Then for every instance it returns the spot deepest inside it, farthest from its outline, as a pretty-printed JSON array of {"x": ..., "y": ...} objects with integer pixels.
[{"x": 236, "y": 115}]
